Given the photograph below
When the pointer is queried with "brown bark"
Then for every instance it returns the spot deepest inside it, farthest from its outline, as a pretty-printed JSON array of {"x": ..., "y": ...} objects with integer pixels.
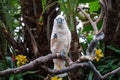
[
  {"x": 112, "y": 36},
  {"x": 36, "y": 39},
  {"x": 31, "y": 13}
]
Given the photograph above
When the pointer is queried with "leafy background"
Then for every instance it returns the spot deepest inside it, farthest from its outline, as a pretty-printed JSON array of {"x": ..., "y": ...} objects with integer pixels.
[{"x": 10, "y": 14}]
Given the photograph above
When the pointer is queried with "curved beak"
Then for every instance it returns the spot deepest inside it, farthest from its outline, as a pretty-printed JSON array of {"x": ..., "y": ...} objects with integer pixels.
[{"x": 59, "y": 20}]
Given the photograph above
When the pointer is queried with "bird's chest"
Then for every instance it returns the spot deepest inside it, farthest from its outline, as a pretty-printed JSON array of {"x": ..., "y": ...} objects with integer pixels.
[{"x": 61, "y": 36}]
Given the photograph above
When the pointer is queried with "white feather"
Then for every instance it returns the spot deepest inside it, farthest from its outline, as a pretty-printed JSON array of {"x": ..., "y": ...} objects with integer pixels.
[{"x": 62, "y": 43}]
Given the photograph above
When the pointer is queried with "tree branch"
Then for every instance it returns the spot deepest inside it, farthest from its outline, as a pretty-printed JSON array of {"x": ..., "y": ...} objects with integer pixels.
[
  {"x": 100, "y": 16},
  {"x": 111, "y": 73},
  {"x": 30, "y": 19},
  {"x": 34, "y": 44},
  {"x": 18, "y": 48},
  {"x": 81, "y": 65},
  {"x": 66, "y": 69},
  {"x": 84, "y": 61},
  {"x": 32, "y": 65}
]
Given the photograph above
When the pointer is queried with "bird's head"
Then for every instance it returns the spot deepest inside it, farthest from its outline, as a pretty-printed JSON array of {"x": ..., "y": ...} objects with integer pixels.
[{"x": 60, "y": 20}]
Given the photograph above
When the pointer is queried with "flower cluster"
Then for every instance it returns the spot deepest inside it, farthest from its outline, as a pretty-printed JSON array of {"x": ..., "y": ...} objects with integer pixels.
[
  {"x": 21, "y": 60},
  {"x": 99, "y": 54},
  {"x": 56, "y": 78}
]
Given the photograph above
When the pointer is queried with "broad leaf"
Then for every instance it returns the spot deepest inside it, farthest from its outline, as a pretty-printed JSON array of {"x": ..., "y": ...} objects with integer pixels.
[{"x": 94, "y": 6}]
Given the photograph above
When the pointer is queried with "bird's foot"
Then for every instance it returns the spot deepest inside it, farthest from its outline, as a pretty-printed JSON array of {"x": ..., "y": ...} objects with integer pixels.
[
  {"x": 55, "y": 35},
  {"x": 62, "y": 54}
]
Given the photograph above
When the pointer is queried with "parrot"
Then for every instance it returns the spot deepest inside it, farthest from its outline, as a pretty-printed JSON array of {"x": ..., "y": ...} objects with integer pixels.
[{"x": 60, "y": 42}]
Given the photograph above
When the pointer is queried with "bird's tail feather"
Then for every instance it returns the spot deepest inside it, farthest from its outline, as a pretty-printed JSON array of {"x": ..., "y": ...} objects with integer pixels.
[{"x": 58, "y": 65}]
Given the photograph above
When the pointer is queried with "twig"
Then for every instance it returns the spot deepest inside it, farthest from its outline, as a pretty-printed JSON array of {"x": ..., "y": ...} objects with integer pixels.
[
  {"x": 8, "y": 36},
  {"x": 96, "y": 72},
  {"x": 104, "y": 12},
  {"x": 111, "y": 73},
  {"x": 18, "y": 48},
  {"x": 100, "y": 16},
  {"x": 30, "y": 19},
  {"x": 34, "y": 8},
  {"x": 89, "y": 18},
  {"x": 34, "y": 44}
]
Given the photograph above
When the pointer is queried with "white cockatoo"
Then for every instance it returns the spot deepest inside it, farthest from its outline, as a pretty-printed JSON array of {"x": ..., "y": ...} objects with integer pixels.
[{"x": 60, "y": 42}]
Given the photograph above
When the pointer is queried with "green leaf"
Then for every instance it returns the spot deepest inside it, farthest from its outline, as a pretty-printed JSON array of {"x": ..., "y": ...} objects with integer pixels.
[
  {"x": 19, "y": 77},
  {"x": 102, "y": 68},
  {"x": 43, "y": 3},
  {"x": 111, "y": 61},
  {"x": 86, "y": 1},
  {"x": 39, "y": 76},
  {"x": 12, "y": 76},
  {"x": 9, "y": 61},
  {"x": 114, "y": 49},
  {"x": 94, "y": 6},
  {"x": 90, "y": 76},
  {"x": 71, "y": 23},
  {"x": 87, "y": 28},
  {"x": 48, "y": 6},
  {"x": 89, "y": 37},
  {"x": 29, "y": 72}
]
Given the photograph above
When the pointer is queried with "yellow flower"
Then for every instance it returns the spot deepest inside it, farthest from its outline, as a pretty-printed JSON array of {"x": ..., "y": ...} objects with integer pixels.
[
  {"x": 21, "y": 60},
  {"x": 56, "y": 78},
  {"x": 99, "y": 54}
]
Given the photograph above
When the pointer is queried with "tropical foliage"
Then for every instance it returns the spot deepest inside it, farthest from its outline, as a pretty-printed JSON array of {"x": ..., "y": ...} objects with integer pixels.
[{"x": 11, "y": 18}]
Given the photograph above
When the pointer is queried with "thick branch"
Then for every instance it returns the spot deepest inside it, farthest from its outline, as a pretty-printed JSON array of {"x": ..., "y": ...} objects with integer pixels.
[
  {"x": 66, "y": 69},
  {"x": 84, "y": 61},
  {"x": 43, "y": 59},
  {"x": 94, "y": 43},
  {"x": 29, "y": 66},
  {"x": 81, "y": 65}
]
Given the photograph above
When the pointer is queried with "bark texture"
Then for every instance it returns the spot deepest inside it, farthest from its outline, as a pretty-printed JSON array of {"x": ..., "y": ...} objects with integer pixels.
[{"x": 112, "y": 29}]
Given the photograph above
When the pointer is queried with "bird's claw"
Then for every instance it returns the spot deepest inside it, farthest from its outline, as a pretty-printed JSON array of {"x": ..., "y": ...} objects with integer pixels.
[
  {"x": 55, "y": 35},
  {"x": 62, "y": 54}
]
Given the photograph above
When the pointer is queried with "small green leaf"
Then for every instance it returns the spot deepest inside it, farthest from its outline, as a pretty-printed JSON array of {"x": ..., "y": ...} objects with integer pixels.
[
  {"x": 19, "y": 77},
  {"x": 94, "y": 6},
  {"x": 89, "y": 37},
  {"x": 86, "y": 1},
  {"x": 43, "y": 3},
  {"x": 90, "y": 76},
  {"x": 111, "y": 61},
  {"x": 114, "y": 49},
  {"x": 29, "y": 72},
  {"x": 12, "y": 76}
]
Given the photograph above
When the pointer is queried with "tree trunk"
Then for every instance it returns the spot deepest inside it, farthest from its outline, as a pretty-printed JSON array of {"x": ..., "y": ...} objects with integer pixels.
[
  {"x": 31, "y": 13},
  {"x": 112, "y": 29},
  {"x": 36, "y": 32}
]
